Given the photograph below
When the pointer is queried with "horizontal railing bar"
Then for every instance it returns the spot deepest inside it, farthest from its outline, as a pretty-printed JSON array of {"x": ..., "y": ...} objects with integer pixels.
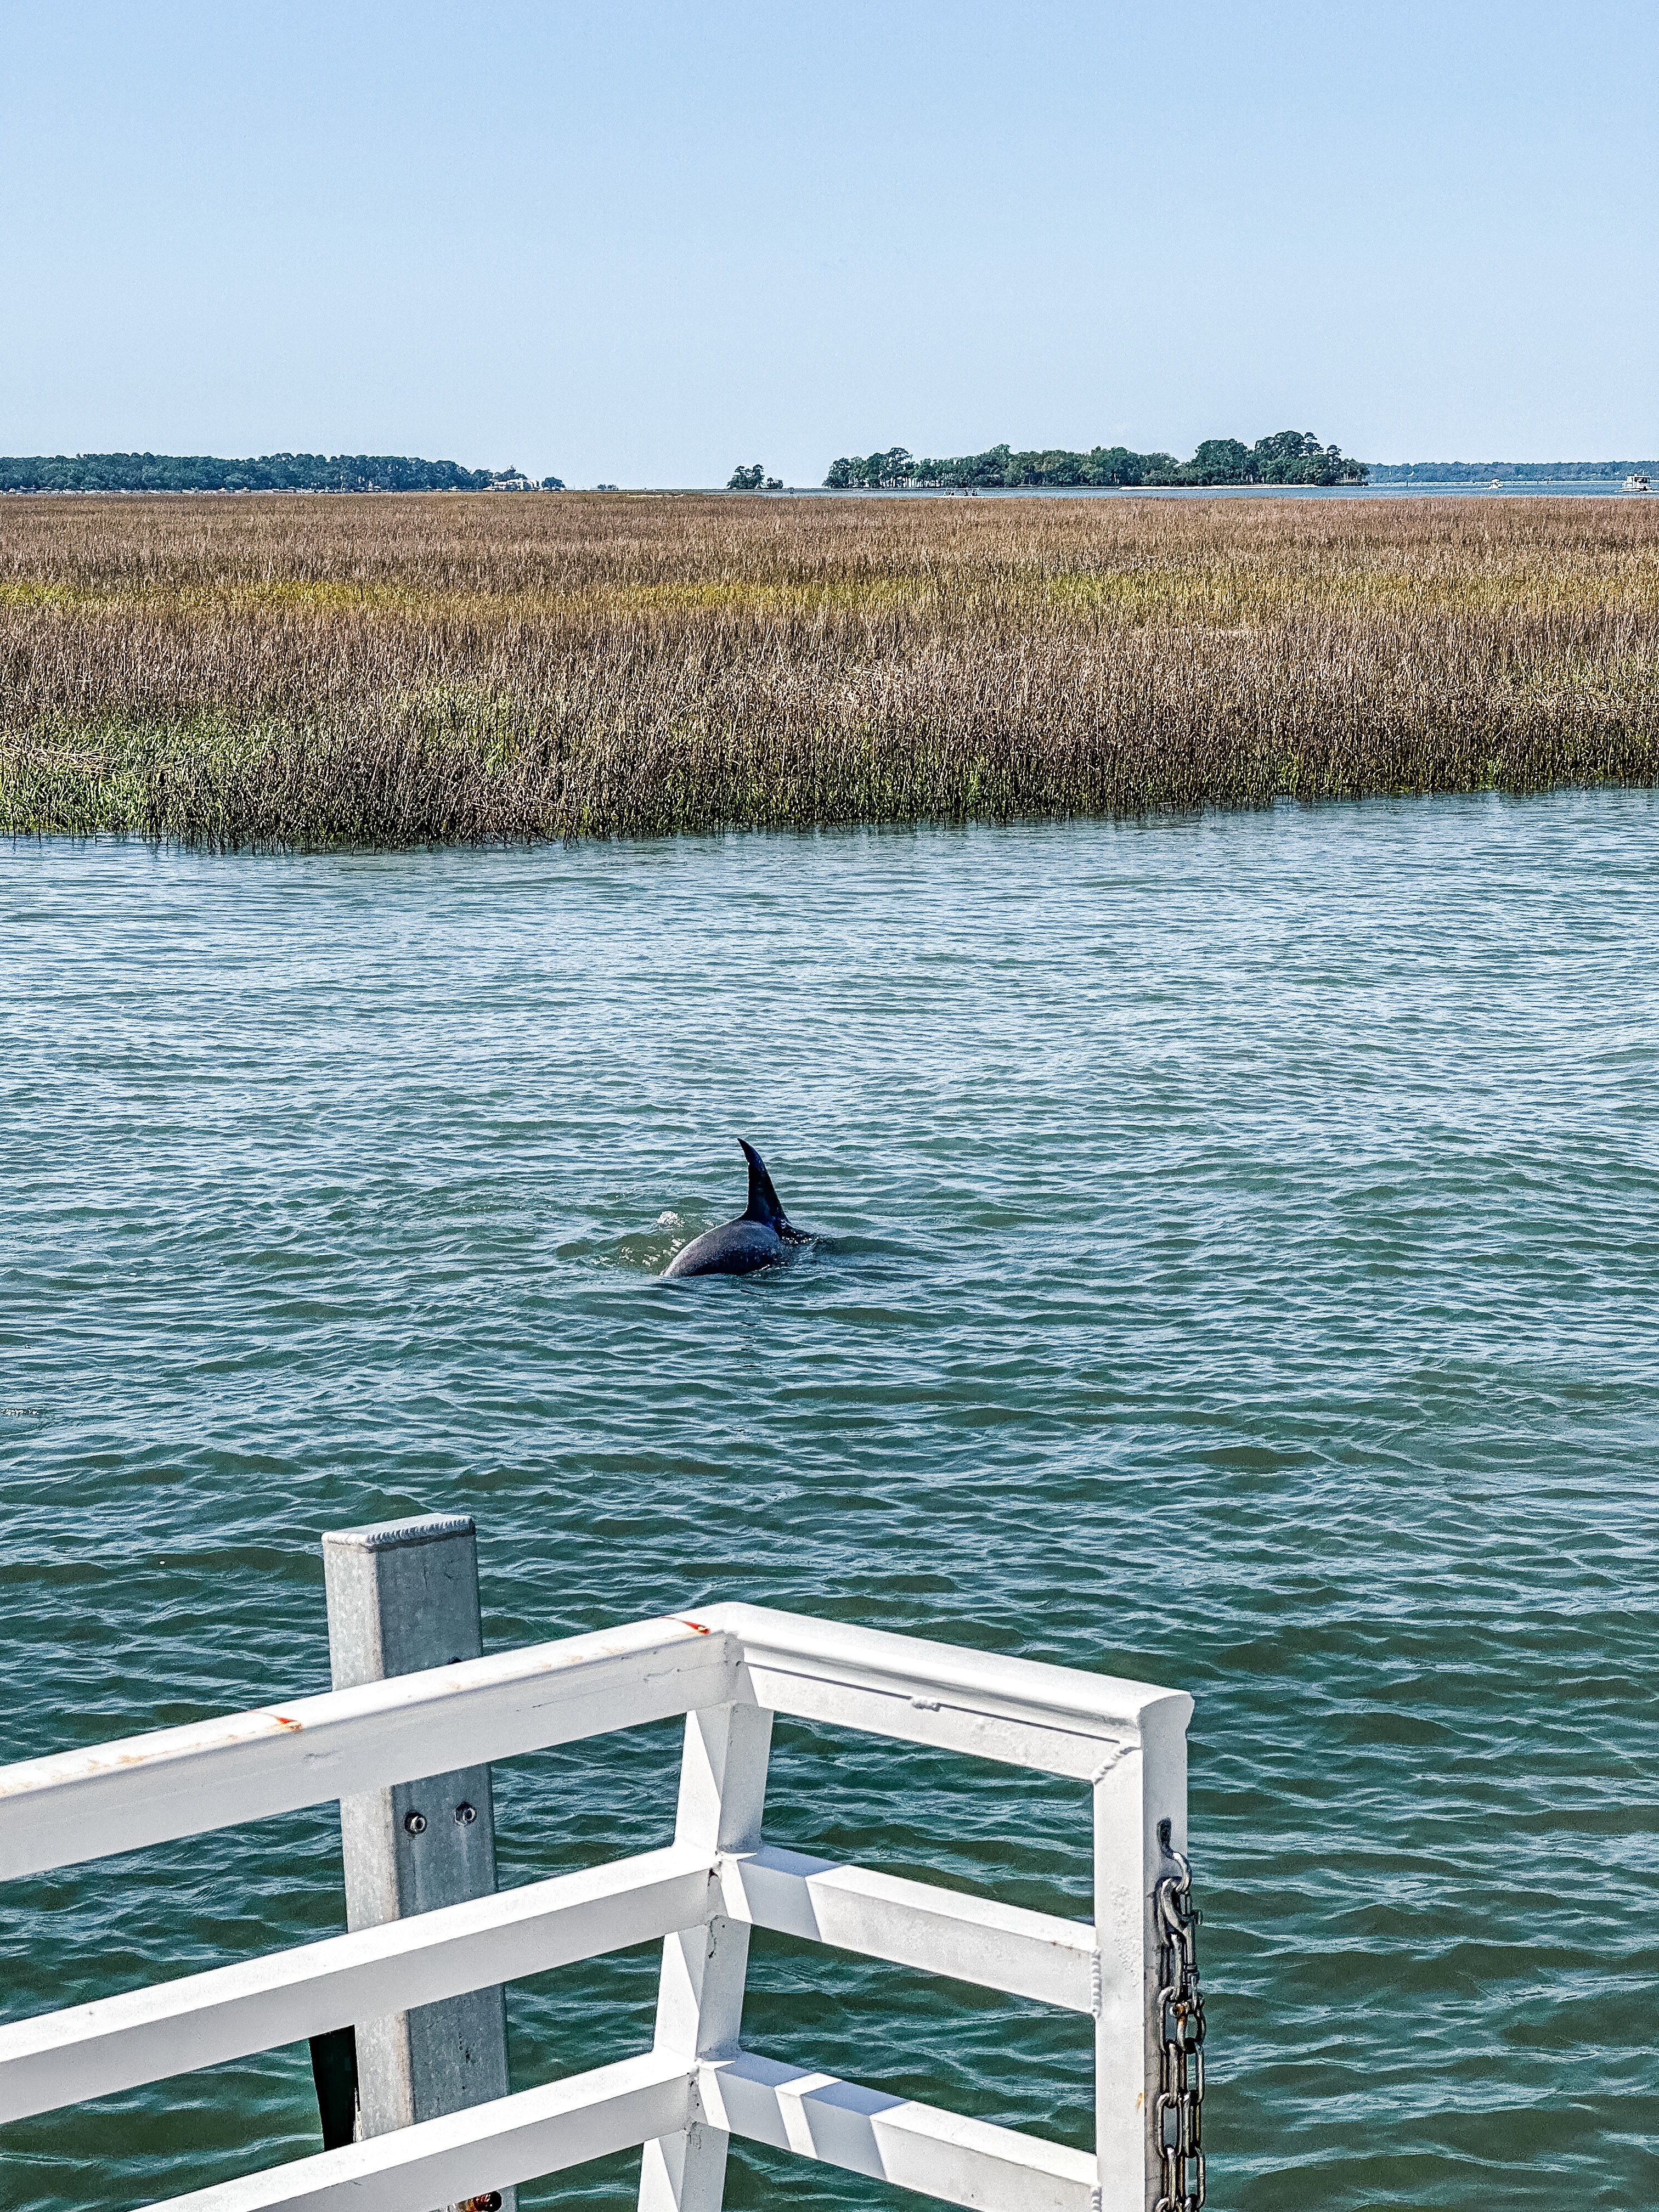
[
  {"x": 915, "y": 2146},
  {"x": 201, "y": 2020},
  {"x": 920, "y": 2147},
  {"x": 71, "y": 1806},
  {"x": 153, "y": 1789},
  {"x": 1060, "y": 1720},
  {"x": 464, "y": 2155},
  {"x": 1018, "y": 1689},
  {"x": 914, "y": 1923},
  {"x": 173, "y": 2028}
]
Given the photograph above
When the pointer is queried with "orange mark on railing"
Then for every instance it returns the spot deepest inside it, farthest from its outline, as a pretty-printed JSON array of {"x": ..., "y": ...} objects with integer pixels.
[
  {"x": 686, "y": 1621},
  {"x": 284, "y": 1720}
]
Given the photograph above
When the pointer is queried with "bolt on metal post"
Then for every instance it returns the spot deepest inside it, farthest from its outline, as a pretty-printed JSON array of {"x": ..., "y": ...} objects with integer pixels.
[{"x": 403, "y": 1597}]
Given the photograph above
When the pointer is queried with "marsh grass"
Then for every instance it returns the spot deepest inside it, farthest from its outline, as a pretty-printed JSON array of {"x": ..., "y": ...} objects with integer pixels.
[{"x": 405, "y": 670}]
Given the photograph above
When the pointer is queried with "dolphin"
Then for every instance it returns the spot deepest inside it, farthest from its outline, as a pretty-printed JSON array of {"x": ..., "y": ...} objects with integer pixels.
[{"x": 759, "y": 1237}]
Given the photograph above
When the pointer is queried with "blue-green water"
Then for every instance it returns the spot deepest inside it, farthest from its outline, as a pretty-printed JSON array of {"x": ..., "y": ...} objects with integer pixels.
[{"x": 1239, "y": 1269}]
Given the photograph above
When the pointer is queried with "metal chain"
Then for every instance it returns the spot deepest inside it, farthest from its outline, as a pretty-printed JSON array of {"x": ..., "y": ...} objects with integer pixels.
[{"x": 1181, "y": 2037}]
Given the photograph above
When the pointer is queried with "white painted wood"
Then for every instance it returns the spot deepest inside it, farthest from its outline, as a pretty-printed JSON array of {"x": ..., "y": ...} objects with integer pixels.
[
  {"x": 938, "y": 2154},
  {"x": 914, "y": 1923},
  {"x": 928, "y": 1719},
  {"x": 726, "y": 1668},
  {"x": 1060, "y": 1720},
  {"x": 173, "y": 2028},
  {"x": 465, "y": 2155},
  {"x": 700, "y": 1992},
  {"x": 1022, "y": 1690},
  {"x": 72, "y": 1806},
  {"x": 1132, "y": 1794}
]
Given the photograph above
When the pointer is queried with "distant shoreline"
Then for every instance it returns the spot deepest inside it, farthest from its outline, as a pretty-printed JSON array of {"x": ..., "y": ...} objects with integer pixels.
[
  {"x": 1481, "y": 475},
  {"x": 162, "y": 475},
  {"x": 1421, "y": 487},
  {"x": 1518, "y": 488}
]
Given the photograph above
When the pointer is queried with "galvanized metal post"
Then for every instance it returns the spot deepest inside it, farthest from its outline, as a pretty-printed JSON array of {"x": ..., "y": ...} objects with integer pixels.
[{"x": 403, "y": 1597}]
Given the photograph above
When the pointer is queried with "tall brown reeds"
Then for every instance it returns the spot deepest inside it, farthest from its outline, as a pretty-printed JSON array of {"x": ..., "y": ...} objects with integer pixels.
[{"x": 401, "y": 670}]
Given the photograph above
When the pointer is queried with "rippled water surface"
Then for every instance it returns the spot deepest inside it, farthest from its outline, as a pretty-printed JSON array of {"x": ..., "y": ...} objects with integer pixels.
[{"x": 1238, "y": 1268}]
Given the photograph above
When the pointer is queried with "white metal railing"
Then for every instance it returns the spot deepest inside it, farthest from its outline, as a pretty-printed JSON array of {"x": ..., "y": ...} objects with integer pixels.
[{"x": 728, "y": 1671}]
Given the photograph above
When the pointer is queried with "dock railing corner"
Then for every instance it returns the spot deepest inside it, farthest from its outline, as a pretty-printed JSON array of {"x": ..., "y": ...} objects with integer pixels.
[{"x": 409, "y": 1998}]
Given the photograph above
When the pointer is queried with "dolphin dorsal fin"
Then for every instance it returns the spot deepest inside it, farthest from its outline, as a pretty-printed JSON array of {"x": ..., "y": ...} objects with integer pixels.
[{"x": 763, "y": 1198}]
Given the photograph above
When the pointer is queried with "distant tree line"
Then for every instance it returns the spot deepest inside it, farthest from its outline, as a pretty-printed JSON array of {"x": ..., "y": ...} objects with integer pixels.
[
  {"x": 752, "y": 479},
  {"x": 271, "y": 472},
  {"x": 1289, "y": 456},
  {"x": 1397, "y": 472}
]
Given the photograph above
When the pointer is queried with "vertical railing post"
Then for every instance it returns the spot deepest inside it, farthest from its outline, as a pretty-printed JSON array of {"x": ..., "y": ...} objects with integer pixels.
[
  {"x": 700, "y": 1995},
  {"x": 1142, "y": 1785},
  {"x": 402, "y": 1595}
]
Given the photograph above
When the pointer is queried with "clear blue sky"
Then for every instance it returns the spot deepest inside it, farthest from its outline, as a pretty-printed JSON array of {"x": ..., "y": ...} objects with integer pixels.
[{"x": 637, "y": 243}]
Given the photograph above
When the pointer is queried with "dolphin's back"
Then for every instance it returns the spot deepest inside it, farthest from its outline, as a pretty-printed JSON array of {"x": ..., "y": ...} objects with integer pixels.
[{"x": 736, "y": 1247}]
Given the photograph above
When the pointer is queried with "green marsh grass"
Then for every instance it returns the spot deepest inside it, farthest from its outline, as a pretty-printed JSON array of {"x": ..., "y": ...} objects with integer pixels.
[{"x": 401, "y": 670}]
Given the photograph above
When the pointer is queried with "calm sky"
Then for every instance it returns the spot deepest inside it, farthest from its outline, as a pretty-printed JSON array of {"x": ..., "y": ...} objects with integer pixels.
[{"x": 638, "y": 243}]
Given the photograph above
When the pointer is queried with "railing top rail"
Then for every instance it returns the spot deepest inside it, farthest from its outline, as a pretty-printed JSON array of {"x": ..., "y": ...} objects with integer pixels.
[
  {"x": 118, "y": 1797},
  {"x": 121, "y": 1795},
  {"x": 1026, "y": 1690}
]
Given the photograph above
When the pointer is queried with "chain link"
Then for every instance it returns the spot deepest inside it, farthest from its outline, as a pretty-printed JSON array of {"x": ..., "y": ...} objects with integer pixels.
[{"x": 1181, "y": 2037}]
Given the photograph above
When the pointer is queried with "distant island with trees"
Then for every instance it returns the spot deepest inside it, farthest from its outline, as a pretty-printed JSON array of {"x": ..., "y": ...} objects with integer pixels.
[
  {"x": 1288, "y": 457},
  {"x": 1484, "y": 472},
  {"x": 271, "y": 472}
]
